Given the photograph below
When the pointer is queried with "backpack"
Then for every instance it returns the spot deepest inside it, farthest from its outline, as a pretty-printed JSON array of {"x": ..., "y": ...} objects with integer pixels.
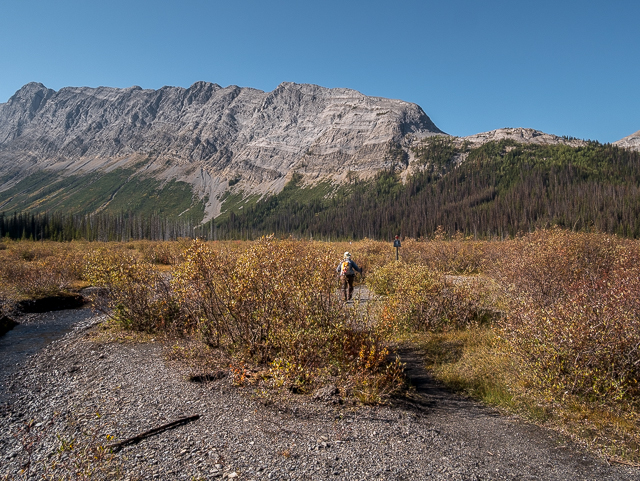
[{"x": 345, "y": 269}]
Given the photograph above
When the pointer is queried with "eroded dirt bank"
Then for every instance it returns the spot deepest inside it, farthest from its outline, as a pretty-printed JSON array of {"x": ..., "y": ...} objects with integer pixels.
[{"x": 125, "y": 389}]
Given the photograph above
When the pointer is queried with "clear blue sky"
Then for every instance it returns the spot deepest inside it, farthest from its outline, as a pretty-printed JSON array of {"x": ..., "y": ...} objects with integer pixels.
[{"x": 563, "y": 67}]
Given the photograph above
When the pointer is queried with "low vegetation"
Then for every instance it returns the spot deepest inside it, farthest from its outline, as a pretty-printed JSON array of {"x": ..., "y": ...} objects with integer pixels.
[
  {"x": 545, "y": 324},
  {"x": 116, "y": 192}
]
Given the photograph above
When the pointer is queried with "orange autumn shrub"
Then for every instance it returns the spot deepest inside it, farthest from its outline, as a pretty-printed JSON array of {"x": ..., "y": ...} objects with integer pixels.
[
  {"x": 573, "y": 317},
  {"x": 422, "y": 299}
]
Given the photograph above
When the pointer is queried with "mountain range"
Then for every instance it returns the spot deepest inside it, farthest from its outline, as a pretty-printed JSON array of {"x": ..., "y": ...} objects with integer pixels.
[{"x": 205, "y": 150}]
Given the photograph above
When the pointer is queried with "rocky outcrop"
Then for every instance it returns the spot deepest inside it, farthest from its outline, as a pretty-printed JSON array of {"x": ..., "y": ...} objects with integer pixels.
[
  {"x": 630, "y": 142},
  {"x": 207, "y": 135},
  {"x": 521, "y": 135}
]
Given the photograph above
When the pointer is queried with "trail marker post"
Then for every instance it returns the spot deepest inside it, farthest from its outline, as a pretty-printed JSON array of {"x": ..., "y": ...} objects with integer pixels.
[{"x": 396, "y": 244}]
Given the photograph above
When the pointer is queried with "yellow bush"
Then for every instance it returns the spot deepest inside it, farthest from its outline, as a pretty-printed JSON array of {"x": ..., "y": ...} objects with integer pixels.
[
  {"x": 422, "y": 299},
  {"x": 135, "y": 293},
  {"x": 275, "y": 303},
  {"x": 37, "y": 269}
]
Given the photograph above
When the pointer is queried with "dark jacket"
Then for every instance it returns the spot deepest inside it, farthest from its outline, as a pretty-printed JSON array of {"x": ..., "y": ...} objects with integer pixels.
[{"x": 351, "y": 270}]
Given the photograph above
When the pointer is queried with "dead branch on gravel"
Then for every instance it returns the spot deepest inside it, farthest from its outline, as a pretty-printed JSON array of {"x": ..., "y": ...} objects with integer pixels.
[
  {"x": 160, "y": 429},
  {"x": 618, "y": 461}
]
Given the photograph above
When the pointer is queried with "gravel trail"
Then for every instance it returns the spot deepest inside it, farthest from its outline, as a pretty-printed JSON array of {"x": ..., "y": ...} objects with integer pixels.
[{"x": 433, "y": 435}]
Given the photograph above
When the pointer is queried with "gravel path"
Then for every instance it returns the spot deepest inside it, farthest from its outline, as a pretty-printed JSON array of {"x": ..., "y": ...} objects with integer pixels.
[{"x": 433, "y": 435}]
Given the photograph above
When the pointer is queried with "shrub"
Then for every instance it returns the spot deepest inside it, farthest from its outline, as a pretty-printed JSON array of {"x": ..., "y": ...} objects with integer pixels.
[
  {"x": 273, "y": 303},
  {"x": 370, "y": 254},
  {"x": 201, "y": 288},
  {"x": 545, "y": 265},
  {"x": 33, "y": 269},
  {"x": 163, "y": 253},
  {"x": 422, "y": 299},
  {"x": 573, "y": 314},
  {"x": 586, "y": 346},
  {"x": 135, "y": 293},
  {"x": 260, "y": 300},
  {"x": 457, "y": 256}
]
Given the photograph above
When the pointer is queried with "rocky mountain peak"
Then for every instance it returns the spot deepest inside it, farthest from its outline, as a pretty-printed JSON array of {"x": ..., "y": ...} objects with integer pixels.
[
  {"x": 31, "y": 97},
  {"x": 207, "y": 135},
  {"x": 630, "y": 142},
  {"x": 521, "y": 135}
]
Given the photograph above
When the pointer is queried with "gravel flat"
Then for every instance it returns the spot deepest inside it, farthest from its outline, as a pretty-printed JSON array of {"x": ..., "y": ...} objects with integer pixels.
[{"x": 126, "y": 389}]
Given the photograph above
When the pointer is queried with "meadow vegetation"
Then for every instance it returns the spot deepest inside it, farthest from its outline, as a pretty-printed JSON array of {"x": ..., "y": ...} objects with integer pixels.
[{"x": 545, "y": 324}]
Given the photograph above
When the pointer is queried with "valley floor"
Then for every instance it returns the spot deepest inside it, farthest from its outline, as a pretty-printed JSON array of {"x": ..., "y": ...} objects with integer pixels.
[{"x": 126, "y": 389}]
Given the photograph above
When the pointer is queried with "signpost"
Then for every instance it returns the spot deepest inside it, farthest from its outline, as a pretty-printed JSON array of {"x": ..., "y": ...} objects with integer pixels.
[{"x": 396, "y": 244}]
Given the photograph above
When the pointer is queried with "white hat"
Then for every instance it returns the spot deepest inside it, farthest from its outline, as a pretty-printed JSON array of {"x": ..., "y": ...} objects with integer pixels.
[{"x": 346, "y": 254}]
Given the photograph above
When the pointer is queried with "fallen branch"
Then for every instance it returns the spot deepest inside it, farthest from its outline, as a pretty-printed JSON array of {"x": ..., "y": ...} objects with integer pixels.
[
  {"x": 136, "y": 439},
  {"x": 624, "y": 462}
]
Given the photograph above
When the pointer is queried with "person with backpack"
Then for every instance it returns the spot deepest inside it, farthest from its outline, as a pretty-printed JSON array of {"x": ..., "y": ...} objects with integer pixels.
[{"x": 347, "y": 270}]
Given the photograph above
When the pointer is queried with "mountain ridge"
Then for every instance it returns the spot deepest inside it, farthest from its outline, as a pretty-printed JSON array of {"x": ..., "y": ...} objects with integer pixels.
[
  {"x": 207, "y": 135},
  {"x": 631, "y": 142},
  {"x": 120, "y": 148}
]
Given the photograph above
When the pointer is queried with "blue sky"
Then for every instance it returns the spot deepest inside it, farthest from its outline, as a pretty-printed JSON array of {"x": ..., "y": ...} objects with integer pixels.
[{"x": 563, "y": 67}]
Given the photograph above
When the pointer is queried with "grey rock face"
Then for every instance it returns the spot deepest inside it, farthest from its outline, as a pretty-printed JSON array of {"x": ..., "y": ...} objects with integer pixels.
[
  {"x": 207, "y": 135},
  {"x": 521, "y": 135},
  {"x": 630, "y": 142}
]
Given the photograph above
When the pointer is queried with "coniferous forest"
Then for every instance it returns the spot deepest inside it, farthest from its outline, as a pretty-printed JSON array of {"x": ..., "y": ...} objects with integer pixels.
[
  {"x": 497, "y": 190},
  {"x": 494, "y": 191}
]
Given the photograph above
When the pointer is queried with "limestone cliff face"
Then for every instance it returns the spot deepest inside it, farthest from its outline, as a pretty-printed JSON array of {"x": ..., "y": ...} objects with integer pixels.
[
  {"x": 520, "y": 135},
  {"x": 630, "y": 142},
  {"x": 207, "y": 135}
]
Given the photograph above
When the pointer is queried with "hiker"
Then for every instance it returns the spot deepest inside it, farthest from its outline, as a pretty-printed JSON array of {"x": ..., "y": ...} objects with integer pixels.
[
  {"x": 347, "y": 270},
  {"x": 397, "y": 245}
]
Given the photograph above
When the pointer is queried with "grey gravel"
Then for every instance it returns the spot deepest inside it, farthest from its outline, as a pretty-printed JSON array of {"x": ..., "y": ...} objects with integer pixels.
[{"x": 432, "y": 435}]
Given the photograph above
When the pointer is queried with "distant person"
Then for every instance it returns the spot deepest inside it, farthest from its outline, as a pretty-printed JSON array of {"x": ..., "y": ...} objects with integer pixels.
[{"x": 347, "y": 270}]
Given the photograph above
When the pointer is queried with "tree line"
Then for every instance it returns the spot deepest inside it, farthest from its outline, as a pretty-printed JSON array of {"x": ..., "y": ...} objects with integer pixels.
[
  {"x": 94, "y": 227},
  {"x": 499, "y": 190}
]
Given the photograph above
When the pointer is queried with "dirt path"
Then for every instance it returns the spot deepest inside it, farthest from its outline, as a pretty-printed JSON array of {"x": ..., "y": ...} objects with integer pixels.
[
  {"x": 507, "y": 445},
  {"x": 434, "y": 435}
]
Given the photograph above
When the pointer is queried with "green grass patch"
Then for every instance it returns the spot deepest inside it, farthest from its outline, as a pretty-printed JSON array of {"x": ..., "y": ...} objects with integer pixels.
[
  {"x": 235, "y": 203},
  {"x": 146, "y": 196},
  {"x": 285, "y": 212},
  {"x": 471, "y": 361},
  {"x": 112, "y": 192}
]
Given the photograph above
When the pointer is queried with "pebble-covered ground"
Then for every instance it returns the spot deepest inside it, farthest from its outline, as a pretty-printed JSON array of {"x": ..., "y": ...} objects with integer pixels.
[{"x": 126, "y": 389}]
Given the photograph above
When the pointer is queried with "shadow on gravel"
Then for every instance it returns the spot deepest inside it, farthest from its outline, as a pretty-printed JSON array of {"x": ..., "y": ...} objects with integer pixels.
[
  {"x": 201, "y": 378},
  {"x": 52, "y": 303},
  {"x": 6, "y": 324},
  {"x": 431, "y": 397}
]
